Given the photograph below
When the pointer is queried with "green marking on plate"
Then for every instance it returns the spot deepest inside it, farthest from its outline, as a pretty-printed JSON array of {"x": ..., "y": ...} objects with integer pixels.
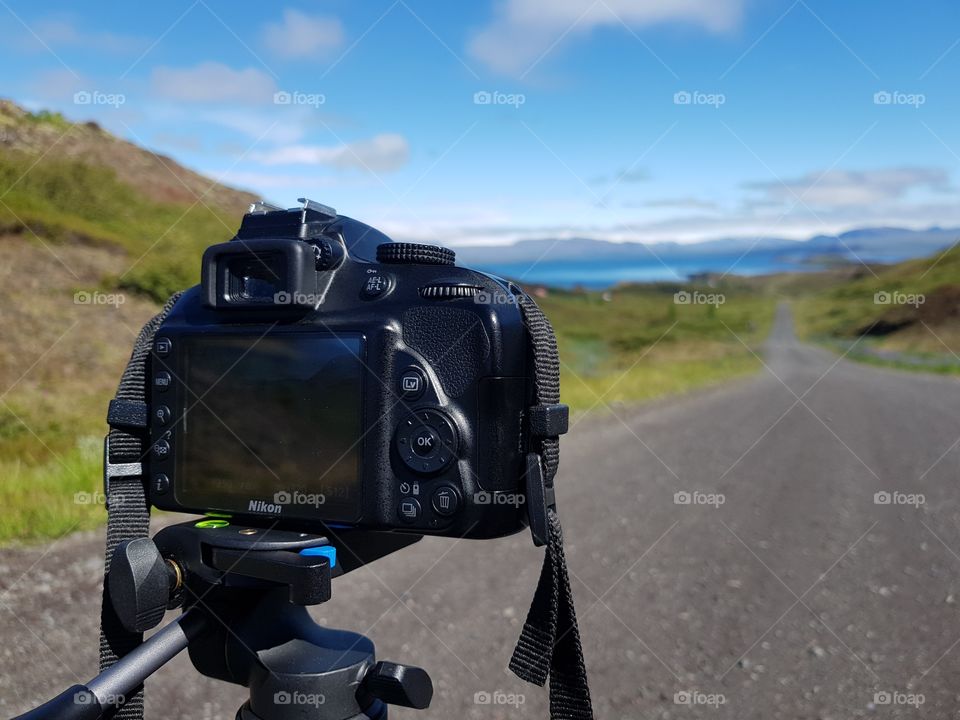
[{"x": 213, "y": 523}]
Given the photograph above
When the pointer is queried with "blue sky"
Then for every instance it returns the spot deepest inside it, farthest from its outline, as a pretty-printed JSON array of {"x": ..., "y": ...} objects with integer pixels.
[{"x": 494, "y": 121}]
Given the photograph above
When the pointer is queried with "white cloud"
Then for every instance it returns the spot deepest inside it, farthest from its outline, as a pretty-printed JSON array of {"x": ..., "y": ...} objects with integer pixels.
[
  {"x": 839, "y": 189},
  {"x": 213, "y": 82},
  {"x": 381, "y": 153},
  {"x": 64, "y": 32},
  {"x": 524, "y": 31},
  {"x": 300, "y": 35},
  {"x": 625, "y": 176},
  {"x": 60, "y": 84},
  {"x": 262, "y": 126},
  {"x": 910, "y": 197},
  {"x": 678, "y": 203},
  {"x": 284, "y": 187}
]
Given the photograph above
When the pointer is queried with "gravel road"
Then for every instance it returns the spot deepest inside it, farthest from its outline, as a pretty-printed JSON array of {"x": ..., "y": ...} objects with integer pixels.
[{"x": 730, "y": 554}]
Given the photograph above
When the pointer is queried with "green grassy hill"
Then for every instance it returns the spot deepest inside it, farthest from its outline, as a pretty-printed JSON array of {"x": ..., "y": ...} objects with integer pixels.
[
  {"x": 63, "y": 182},
  {"x": 81, "y": 211},
  {"x": 906, "y": 315}
]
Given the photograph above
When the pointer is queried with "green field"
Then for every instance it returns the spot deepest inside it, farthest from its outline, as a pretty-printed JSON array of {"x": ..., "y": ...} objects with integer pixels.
[
  {"x": 636, "y": 343},
  {"x": 906, "y": 315}
]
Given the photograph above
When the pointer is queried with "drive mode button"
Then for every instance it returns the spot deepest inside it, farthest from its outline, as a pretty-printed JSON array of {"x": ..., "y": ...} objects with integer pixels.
[{"x": 409, "y": 510}]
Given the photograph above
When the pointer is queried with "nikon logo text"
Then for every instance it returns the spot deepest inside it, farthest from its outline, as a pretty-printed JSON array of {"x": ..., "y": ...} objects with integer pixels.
[{"x": 262, "y": 506}]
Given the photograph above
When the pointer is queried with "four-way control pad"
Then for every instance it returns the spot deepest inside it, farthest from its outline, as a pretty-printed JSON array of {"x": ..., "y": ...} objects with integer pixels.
[{"x": 426, "y": 441}]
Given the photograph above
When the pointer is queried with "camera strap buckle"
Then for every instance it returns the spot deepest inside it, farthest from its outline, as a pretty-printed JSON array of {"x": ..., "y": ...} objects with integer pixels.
[
  {"x": 540, "y": 500},
  {"x": 549, "y": 420},
  {"x": 546, "y": 421},
  {"x": 117, "y": 470},
  {"x": 126, "y": 414}
]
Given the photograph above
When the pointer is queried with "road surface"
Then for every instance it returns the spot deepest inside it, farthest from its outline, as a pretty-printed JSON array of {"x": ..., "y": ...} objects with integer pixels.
[{"x": 784, "y": 588}]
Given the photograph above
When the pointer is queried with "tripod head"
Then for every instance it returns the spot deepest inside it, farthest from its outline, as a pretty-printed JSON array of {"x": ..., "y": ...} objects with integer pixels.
[{"x": 244, "y": 590}]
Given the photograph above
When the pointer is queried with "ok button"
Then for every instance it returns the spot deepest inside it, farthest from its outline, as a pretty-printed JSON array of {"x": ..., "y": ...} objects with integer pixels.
[{"x": 424, "y": 441}]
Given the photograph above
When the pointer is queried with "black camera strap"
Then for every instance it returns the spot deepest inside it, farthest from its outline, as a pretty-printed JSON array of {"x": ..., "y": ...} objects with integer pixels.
[
  {"x": 549, "y": 643},
  {"x": 128, "y": 512}
]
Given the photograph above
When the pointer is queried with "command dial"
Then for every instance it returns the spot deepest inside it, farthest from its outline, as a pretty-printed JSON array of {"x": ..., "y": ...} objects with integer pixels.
[{"x": 415, "y": 254}]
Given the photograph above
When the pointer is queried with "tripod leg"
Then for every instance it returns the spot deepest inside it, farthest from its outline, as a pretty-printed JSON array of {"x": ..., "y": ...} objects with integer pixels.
[{"x": 108, "y": 690}]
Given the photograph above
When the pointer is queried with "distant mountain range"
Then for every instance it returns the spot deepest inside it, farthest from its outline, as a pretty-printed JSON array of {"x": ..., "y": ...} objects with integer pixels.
[
  {"x": 591, "y": 262},
  {"x": 867, "y": 243}
]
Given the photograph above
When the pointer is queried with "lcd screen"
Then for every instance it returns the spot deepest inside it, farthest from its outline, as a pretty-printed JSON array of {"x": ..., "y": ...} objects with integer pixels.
[{"x": 271, "y": 420}]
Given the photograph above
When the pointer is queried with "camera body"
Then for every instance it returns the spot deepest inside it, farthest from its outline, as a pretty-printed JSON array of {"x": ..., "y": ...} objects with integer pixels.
[{"x": 324, "y": 376}]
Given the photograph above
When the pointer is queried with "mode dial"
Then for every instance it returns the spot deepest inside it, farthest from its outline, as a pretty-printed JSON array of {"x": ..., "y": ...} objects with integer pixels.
[
  {"x": 327, "y": 254},
  {"x": 415, "y": 254}
]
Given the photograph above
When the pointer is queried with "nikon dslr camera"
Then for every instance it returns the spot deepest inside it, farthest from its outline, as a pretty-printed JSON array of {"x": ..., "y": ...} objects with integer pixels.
[{"x": 324, "y": 376}]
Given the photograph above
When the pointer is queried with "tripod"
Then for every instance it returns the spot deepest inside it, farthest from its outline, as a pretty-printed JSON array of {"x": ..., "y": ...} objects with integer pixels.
[{"x": 245, "y": 590}]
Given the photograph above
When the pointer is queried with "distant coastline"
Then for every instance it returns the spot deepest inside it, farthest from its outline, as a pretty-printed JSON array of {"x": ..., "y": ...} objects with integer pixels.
[{"x": 597, "y": 264}]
